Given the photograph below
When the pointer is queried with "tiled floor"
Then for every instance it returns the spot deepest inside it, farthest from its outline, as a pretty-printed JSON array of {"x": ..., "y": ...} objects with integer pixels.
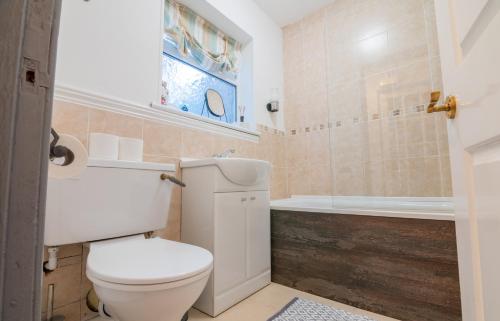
[{"x": 268, "y": 301}]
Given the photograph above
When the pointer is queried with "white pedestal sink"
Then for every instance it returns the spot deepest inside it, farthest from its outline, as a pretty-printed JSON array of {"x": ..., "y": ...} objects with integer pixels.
[{"x": 225, "y": 209}]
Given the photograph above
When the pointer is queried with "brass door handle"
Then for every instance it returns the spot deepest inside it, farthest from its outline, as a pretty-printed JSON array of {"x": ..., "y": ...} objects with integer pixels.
[{"x": 450, "y": 105}]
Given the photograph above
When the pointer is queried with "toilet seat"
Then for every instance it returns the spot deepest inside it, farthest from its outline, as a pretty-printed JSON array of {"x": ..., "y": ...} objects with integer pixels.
[{"x": 138, "y": 262}]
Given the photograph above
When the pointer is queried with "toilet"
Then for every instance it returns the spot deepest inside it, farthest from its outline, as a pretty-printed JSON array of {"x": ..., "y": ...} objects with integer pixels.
[{"x": 111, "y": 205}]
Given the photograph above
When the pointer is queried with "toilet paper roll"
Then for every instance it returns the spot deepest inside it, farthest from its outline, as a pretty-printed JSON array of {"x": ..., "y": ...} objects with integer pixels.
[
  {"x": 103, "y": 146},
  {"x": 130, "y": 149},
  {"x": 77, "y": 166}
]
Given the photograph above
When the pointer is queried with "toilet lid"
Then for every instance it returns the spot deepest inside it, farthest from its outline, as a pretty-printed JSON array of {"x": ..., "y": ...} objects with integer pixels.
[{"x": 146, "y": 261}]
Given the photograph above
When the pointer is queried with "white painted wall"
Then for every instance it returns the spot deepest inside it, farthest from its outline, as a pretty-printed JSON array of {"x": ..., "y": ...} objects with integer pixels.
[
  {"x": 267, "y": 46},
  {"x": 113, "y": 48}
]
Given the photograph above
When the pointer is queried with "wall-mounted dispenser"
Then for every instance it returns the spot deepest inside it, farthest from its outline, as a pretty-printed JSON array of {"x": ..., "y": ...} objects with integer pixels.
[{"x": 274, "y": 104}]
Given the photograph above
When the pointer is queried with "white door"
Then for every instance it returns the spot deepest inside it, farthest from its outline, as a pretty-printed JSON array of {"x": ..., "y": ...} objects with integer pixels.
[
  {"x": 258, "y": 233},
  {"x": 469, "y": 39},
  {"x": 230, "y": 240}
]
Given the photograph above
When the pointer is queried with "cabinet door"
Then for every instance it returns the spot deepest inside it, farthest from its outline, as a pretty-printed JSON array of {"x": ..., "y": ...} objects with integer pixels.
[
  {"x": 230, "y": 240},
  {"x": 258, "y": 233}
]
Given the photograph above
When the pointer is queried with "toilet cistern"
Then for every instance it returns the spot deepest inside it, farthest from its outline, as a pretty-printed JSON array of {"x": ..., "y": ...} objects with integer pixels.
[{"x": 135, "y": 278}]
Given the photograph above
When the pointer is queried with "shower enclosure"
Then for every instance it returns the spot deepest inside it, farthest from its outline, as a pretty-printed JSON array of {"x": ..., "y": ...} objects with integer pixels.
[{"x": 358, "y": 76}]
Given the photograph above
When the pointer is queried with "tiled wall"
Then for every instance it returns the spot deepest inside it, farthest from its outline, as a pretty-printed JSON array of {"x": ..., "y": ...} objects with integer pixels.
[
  {"x": 358, "y": 75},
  {"x": 162, "y": 143}
]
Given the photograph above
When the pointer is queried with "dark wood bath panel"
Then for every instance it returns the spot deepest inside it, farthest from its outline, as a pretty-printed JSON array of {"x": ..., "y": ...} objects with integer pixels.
[{"x": 403, "y": 268}]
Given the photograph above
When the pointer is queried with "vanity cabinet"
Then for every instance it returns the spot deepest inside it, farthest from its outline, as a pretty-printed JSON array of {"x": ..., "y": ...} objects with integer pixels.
[
  {"x": 232, "y": 221},
  {"x": 242, "y": 237}
]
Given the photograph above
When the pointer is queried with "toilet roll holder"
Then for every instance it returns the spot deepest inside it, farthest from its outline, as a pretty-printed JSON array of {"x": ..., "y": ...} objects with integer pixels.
[{"x": 60, "y": 151}]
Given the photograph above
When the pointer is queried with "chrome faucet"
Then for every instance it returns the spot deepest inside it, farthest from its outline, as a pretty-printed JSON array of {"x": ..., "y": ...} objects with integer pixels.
[{"x": 225, "y": 154}]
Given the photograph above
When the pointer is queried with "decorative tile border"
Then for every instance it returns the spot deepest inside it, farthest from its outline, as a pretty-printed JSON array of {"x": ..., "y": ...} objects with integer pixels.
[
  {"x": 272, "y": 131},
  {"x": 357, "y": 120}
]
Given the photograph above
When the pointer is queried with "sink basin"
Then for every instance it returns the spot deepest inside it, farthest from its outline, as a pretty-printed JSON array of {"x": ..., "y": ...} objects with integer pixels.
[{"x": 241, "y": 171}]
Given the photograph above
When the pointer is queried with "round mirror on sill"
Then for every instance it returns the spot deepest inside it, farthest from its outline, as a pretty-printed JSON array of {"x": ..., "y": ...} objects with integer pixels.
[{"x": 215, "y": 103}]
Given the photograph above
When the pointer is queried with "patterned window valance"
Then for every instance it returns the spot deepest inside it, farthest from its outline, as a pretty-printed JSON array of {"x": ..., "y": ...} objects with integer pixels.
[{"x": 196, "y": 37}]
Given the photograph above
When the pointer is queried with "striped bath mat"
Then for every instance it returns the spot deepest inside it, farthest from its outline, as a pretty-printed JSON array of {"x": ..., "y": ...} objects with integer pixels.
[{"x": 305, "y": 310}]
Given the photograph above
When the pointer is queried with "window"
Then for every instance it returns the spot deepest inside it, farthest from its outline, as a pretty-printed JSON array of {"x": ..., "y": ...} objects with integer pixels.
[
  {"x": 187, "y": 85},
  {"x": 198, "y": 57}
]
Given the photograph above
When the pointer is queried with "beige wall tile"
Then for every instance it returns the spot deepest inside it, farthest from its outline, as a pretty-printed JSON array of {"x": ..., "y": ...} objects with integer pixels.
[
  {"x": 320, "y": 176},
  {"x": 197, "y": 143},
  {"x": 424, "y": 176},
  {"x": 390, "y": 143},
  {"x": 278, "y": 144},
  {"x": 66, "y": 280},
  {"x": 264, "y": 150},
  {"x": 375, "y": 178},
  {"x": 223, "y": 143},
  {"x": 374, "y": 143},
  {"x": 413, "y": 82},
  {"x": 72, "y": 119},
  {"x": 162, "y": 139},
  {"x": 245, "y": 149},
  {"x": 378, "y": 95},
  {"x": 297, "y": 150},
  {"x": 431, "y": 28},
  {"x": 404, "y": 175},
  {"x": 349, "y": 144},
  {"x": 415, "y": 136},
  {"x": 299, "y": 181},
  {"x": 71, "y": 260},
  {"x": 393, "y": 184},
  {"x": 318, "y": 142},
  {"x": 114, "y": 123},
  {"x": 279, "y": 183},
  {"x": 349, "y": 179},
  {"x": 436, "y": 76}
]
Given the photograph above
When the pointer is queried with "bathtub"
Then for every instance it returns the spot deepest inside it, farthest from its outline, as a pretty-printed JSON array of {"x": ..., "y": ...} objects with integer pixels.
[
  {"x": 432, "y": 208},
  {"x": 395, "y": 256}
]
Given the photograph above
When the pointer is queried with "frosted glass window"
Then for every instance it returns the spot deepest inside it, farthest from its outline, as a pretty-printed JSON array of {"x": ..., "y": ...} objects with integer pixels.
[{"x": 188, "y": 84}]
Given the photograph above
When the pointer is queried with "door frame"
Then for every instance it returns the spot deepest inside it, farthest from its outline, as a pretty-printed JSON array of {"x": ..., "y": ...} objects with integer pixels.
[{"x": 28, "y": 45}]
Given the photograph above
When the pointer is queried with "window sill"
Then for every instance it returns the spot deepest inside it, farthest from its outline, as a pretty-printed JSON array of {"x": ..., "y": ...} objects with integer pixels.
[
  {"x": 191, "y": 120},
  {"x": 155, "y": 112}
]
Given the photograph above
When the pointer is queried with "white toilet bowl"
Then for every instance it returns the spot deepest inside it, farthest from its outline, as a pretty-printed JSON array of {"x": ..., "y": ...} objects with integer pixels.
[{"x": 141, "y": 279}]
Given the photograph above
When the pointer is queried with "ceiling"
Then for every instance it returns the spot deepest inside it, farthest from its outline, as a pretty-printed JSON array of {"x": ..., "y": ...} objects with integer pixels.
[{"x": 285, "y": 12}]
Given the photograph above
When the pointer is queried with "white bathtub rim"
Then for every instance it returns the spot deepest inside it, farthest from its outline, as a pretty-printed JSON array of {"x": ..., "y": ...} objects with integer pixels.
[
  {"x": 290, "y": 204},
  {"x": 388, "y": 198}
]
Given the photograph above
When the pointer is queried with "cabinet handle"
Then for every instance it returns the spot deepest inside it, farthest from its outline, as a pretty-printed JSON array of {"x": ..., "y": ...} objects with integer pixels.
[
  {"x": 252, "y": 198},
  {"x": 243, "y": 199}
]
